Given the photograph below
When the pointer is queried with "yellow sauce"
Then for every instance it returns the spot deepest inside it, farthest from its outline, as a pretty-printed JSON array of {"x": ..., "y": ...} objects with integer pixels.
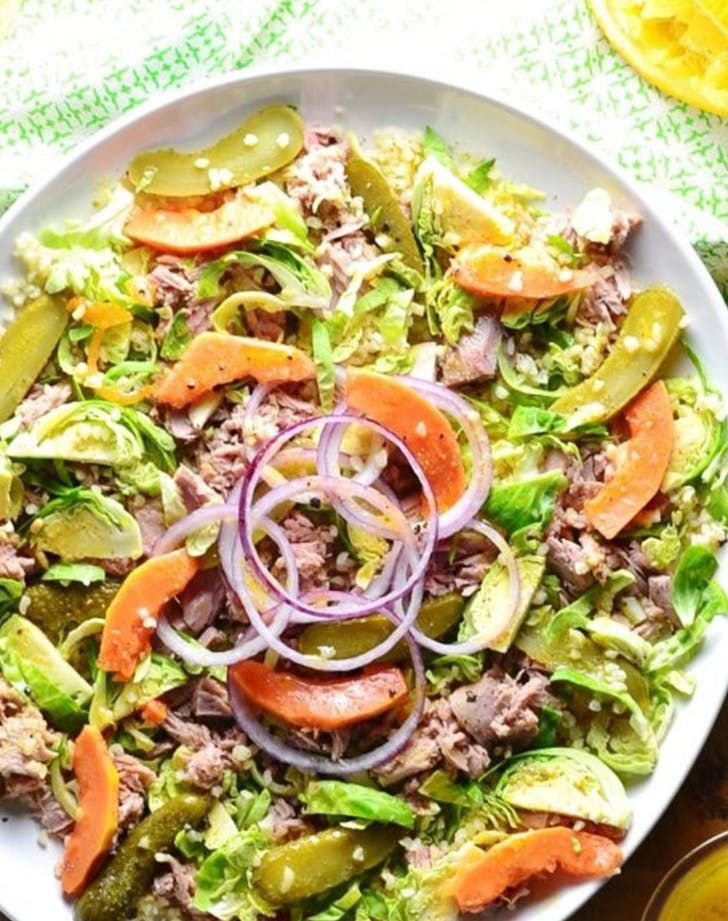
[{"x": 702, "y": 894}]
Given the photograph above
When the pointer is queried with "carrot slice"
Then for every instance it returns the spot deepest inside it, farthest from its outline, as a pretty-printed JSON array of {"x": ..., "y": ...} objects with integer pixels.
[
  {"x": 493, "y": 271},
  {"x": 132, "y": 615},
  {"x": 639, "y": 477},
  {"x": 519, "y": 857},
  {"x": 420, "y": 425},
  {"x": 98, "y": 811},
  {"x": 320, "y": 704},
  {"x": 191, "y": 231},
  {"x": 218, "y": 358}
]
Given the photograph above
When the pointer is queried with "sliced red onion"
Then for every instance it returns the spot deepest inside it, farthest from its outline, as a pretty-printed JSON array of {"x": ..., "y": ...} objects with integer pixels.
[
  {"x": 334, "y": 487},
  {"x": 255, "y": 401},
  {"x": 249, "y": 722},
  {"x": 473, "y": 499},
  {"x": 194, "y": 654},
  {"x": 176, "y": 533},
  {"x": 348, "y": 609},
  {"x": 480, "y": 642}
]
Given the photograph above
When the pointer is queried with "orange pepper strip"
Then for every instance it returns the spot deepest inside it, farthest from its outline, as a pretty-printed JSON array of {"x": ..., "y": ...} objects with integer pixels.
[
  {"x": 519, "y": 857},
  {"x": 639, "y": 477},
  {"x": 316, "y": 703},
  {"x": 98, "y": 811}
]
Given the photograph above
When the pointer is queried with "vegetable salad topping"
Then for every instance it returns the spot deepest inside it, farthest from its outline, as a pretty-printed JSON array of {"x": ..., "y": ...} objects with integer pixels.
[{"x": 354, "y": 540}]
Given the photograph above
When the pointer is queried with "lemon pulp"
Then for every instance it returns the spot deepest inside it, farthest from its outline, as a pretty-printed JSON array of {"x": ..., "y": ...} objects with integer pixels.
[{"x": 679, "y": 45}]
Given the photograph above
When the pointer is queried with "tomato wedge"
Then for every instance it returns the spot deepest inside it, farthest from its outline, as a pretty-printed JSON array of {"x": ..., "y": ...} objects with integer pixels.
[
  {"x": 639, "y": 477},
  {"x": 191, "y": 231},
  {"x": 420, "y": 425},
  {"x": 494, "y": 271},
  {"x": 311, "y": 703},
  {"x": 519, "y": 857},
  {"x": 98, "y": 811},
  {"x": 213, "y": 359},
  {"x": 132, "y": 615}
]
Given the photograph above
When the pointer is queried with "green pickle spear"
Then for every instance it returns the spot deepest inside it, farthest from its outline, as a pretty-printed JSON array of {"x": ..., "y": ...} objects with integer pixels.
[
  {"x": 385, "y": 213},
  {"x": 269, "y": 140},
  {"x": 352, "y": 637},
  {"x": 647, "y": 335},
  {"x": 311, "y": 865},
  {"x": 25, "y": 347},
  {"x": 128, "y": 875},
  {"x": 57, "y": 609}
]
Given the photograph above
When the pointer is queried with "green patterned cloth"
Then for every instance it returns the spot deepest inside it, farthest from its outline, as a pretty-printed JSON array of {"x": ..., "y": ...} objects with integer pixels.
[{"x": 67, "y": 67}]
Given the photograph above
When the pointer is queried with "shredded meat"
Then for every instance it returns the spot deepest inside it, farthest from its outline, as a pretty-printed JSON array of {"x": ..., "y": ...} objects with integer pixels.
[
  {"x": 41, "y": 399},
  {"x": 202, "y": 600},
  {"x": 283, "y": 822},
  {"x": 150, "y": 519},
  {"x": 223, "y": 459},
  {"x": 659, "y": 591},
  {"x": 26, "y": 742},
  {"x": 13, "y": 563},
  {"x": 210, "y": 753},
  {"x": 568, "y": 560},
  {"x": 474, "y": 357},
  {"x": 194, "y": 491},
  {"x": 210, "y": 699},
  {"x": 438, "y": 737},
  {"x": 134, "y": 778},
  {"x": 311, "y": 545},
  {"x": 498, "y": 710},
  {"x": 177, "y": 885}
]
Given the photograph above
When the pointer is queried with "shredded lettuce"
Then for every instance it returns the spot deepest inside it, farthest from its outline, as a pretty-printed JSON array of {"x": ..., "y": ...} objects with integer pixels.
[
  {"x": 301, "y": 283},
  {"x": 10, "y": 592},
  {"x": 528, "y": 421},
  {"x": 525, "y": 503},
  {"x": 334, "y": 797},
  {"x": 177, "y": 339},
  {"x": 325, "y": 371},
  {"x": 223, "y": 885},
  {"x": 81, "y": 522},
  {"x": 479, "y": 178},
  {"x": 85, "y": 573},
  {"x": 692, "y": 579},
  {"x": 105, "y": 228},
  {"x": 453, "y": 307},
  {"x": 435, "y": 146},
  {"x": 340, "y": 907}
]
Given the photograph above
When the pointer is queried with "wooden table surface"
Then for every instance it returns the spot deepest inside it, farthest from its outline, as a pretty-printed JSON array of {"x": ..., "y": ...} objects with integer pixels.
[{"x": 699, "y": 811}]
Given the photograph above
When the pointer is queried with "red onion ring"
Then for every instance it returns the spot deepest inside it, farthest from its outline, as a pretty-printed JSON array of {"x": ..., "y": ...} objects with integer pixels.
[
  {"x": 479, "y": 643},
  {"x": 248, "y": 721},
  {"x": 191, "y": 652},
  {"x": 176, "y": 533},
  {"x": 334, "y": 486}
]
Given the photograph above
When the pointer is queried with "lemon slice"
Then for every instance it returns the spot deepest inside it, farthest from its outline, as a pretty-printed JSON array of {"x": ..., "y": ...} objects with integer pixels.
[{"x": 679, "y": 45}]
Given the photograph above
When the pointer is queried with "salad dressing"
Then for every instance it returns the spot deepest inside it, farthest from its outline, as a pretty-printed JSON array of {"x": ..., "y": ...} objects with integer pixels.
[{"x": 702, "y": 894}]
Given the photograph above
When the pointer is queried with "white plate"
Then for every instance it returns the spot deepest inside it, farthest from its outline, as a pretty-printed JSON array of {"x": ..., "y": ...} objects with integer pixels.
[{"x": 527, "y": 150}]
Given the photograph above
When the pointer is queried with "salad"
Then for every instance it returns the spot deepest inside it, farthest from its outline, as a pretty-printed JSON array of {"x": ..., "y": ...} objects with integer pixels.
[{"x": 354, "y": 537}]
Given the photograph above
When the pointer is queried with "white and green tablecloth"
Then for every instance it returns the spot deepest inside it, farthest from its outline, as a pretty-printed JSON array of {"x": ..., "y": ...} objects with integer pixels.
[{"x": 67, "y": 67}]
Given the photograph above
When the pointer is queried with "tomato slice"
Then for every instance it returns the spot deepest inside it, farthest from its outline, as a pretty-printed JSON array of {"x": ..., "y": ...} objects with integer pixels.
[{"x": 191, "y": 231}]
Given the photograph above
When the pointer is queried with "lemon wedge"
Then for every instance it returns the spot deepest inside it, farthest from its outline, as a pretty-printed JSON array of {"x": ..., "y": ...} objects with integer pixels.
[{"x": 679, "y": 45}]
